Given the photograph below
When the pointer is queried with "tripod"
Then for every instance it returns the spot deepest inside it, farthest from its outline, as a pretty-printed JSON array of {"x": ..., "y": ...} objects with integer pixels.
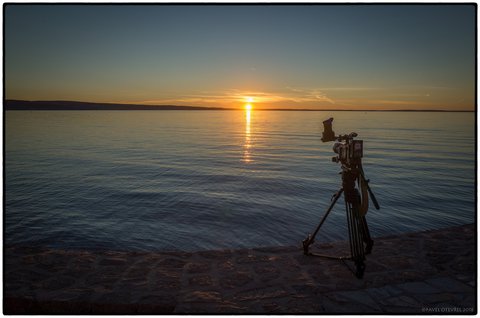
[{"x": 356, "y": 207}]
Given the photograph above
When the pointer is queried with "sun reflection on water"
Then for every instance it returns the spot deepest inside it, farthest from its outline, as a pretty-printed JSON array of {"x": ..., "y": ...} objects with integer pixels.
[{"x": 248, "y": 139}]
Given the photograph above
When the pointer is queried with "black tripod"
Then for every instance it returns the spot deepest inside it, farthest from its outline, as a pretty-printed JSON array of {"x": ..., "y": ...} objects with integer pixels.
[{"x": 359, "y": 236}]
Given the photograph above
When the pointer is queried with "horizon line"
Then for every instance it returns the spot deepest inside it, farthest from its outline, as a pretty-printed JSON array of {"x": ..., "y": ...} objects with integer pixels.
[{"x": 62, "y": 104}]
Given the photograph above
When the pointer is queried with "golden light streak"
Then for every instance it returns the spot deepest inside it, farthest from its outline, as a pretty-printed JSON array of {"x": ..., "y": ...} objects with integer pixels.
[{"x": 248, "y": 139}]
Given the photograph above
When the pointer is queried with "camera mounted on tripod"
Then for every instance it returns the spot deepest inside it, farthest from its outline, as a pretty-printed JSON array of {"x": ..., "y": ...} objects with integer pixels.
[
  {"x": 349, "y": 154},
  {"x": 349, "y": 150}
]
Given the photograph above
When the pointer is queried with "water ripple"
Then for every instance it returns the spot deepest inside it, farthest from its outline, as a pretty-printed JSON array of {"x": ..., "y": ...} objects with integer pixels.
[{"x": 181, "y": 180}]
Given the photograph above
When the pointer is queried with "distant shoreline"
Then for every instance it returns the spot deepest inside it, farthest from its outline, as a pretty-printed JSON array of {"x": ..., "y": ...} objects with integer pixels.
[{"x": 19, "y": 105}]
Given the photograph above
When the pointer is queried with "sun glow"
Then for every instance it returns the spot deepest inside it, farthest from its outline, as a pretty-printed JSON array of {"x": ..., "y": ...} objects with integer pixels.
[{"x": 248, "y": 107}]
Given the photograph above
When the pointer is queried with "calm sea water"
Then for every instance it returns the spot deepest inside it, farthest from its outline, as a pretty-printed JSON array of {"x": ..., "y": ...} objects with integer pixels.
[{"x": 194, "y": 180}]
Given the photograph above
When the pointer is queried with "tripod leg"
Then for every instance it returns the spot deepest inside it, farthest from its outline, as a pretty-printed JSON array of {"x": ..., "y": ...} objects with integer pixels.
[
  {"x": 350, "y": 228},
  {"x": 366, "y": 235},
  {"x": 355, "y": 234},
  {"x": 310, "y": 238}
]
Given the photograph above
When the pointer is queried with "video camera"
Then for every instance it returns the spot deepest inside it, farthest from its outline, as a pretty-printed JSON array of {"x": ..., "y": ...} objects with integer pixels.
[
  {"x": 350, "y": 153},
  {"x": 348, "y": 150}
]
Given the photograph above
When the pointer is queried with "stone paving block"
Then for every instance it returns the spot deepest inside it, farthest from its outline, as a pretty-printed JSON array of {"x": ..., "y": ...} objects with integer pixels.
[
  {"x": 200, "y": 296},
  {"x": 306, "y": 305},
  {"x": 102, "y": 278},
  {"x": 113, "y": 261},
  {"x": 433, "y": 299},
  {"x": 227, "y": 265},
  {"x": 236, "y": 279},
  {"x": 394, "y": 262},
  {"x": 267, "y": 272},
  {"x": 383, "y": 292},
  {"x": 158, "y": 299},
  {"x": 449, "y": 284},
  {"x": 261, "y": 293},
  {"x": 133, "y": 284},
  {"x": 252, "y": 258},
  {"x": 331, "y": 305},
  {"x": 418, "y": 288},
  {"x": 402, "y": 301},
  {"x": 287, "y": 263},
  {"x": 26, "y": 275},
  {"x": 360, "y": 297},
  {"x": 409, "y": 275},
  {"x": 197, "y": 267},
  {"x": 306, "y": 289},
  {"x": 215, "y": 255},
  {"x": 201, "y": 281},
  {"x": 60, "y": 295},
  {"x": 273, "y": 306},
  {"x": 171, "y": 262},
  {"x": 114, "y": 297},
  {"x": 58, "y": 282}
]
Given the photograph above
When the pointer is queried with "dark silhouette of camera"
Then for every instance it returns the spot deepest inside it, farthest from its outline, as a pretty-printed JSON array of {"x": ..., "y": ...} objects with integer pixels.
[{"x": 349, "y": 150}]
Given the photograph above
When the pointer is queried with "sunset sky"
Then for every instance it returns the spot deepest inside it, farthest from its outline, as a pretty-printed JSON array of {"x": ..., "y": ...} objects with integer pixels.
[{"x": 272, "y": 56}]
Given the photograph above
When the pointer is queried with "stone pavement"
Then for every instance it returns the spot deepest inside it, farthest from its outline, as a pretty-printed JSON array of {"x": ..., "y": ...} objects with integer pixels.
[{"x": 431, "y": 272}]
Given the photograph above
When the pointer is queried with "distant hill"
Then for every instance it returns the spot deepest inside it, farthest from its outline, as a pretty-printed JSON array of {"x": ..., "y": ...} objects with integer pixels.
[{"x": 70, "y": 105}]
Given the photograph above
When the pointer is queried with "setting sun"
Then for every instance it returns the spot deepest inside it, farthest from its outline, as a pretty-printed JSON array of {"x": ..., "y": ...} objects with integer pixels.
[{"x": 248, "y": 107}]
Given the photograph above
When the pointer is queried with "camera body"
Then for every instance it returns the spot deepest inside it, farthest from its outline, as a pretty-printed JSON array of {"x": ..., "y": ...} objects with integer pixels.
[{"x": 349, "y": 151}]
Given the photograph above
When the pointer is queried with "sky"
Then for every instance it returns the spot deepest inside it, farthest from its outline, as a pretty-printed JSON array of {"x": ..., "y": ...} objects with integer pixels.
[{"x": 309, "y": 56}]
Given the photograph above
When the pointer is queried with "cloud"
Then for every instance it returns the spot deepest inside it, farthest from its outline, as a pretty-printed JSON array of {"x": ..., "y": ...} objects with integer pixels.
[
  {"x": 300, "y": 95},
  {"x": 236, "y": 97}
]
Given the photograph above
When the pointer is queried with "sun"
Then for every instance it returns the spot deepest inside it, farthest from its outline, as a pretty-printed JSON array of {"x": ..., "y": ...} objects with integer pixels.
[{"x": 248, "y": 107}]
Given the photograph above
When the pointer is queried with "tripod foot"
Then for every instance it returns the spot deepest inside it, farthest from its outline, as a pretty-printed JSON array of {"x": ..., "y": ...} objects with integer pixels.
[
  {"x": 306, "y": 244},
  {"x": 360, "y": 269}
]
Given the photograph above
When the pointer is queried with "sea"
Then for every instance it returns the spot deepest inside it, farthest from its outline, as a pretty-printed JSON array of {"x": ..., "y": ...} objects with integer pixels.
[{"x": 211, "y": 179}]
